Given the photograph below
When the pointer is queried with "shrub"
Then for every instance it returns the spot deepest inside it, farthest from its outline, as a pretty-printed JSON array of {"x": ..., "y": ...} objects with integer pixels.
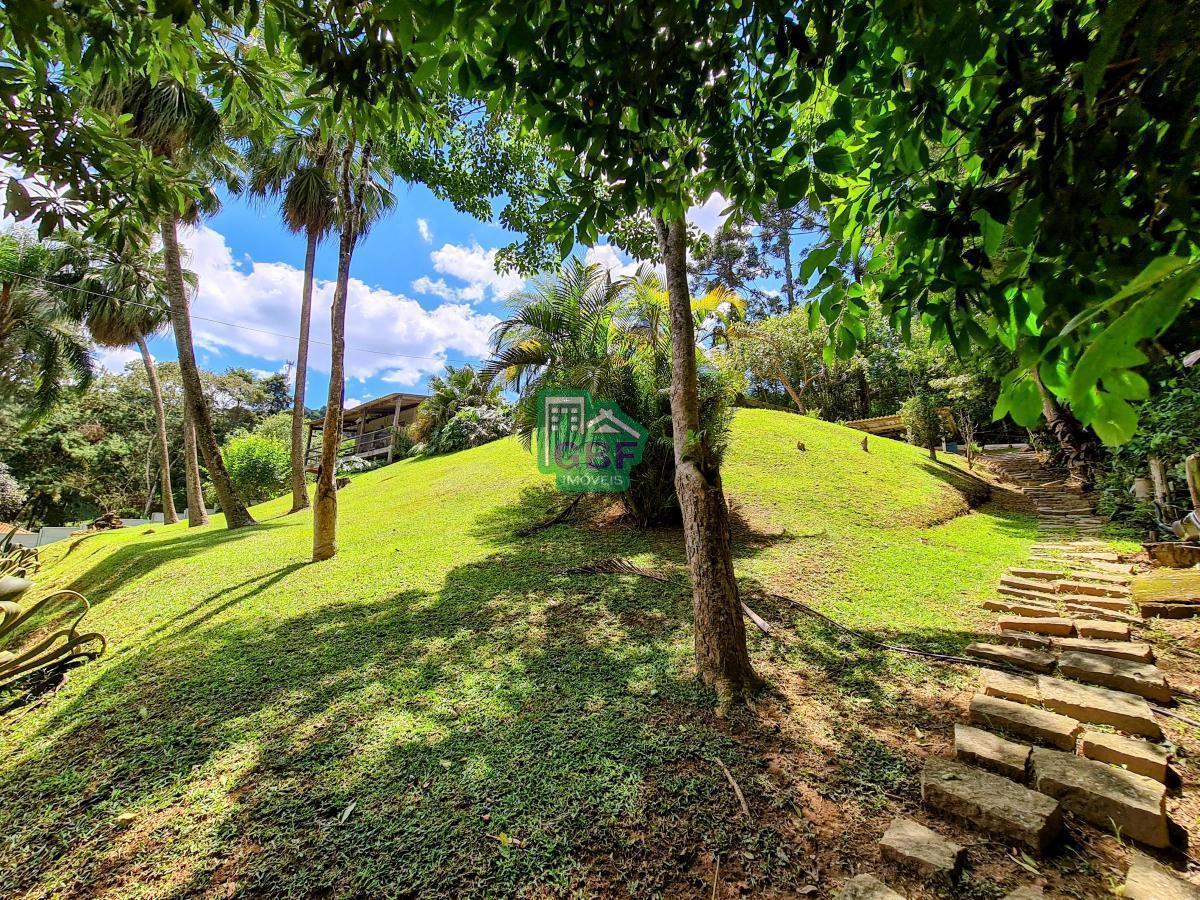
[
  {"x": 259, "y": 466},
  {"x": 12, "y": 495},
  {"x": 471, "y": 427},
  {"x": 277, "y": 426}
]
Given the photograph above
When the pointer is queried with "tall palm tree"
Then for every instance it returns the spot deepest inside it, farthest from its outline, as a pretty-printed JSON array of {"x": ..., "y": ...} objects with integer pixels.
[
  {"x": 119, "y": 296},
  {"x": 179, "y": 124},
  {"x": 39, "y": 338},
  {"x": 364, "y": 176},
  {"x": 299, "y": 169}
]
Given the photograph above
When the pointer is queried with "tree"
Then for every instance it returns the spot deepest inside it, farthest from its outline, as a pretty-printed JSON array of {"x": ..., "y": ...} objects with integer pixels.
[
  {"x": 461, "y": 388},
  {"x": 178, "y": 123},
  {"x": 923, "y": 420},
  {"x": 298, "y": 168},
  {"x": 118, "y": 294},
  {"x": 39, "y": 339}
]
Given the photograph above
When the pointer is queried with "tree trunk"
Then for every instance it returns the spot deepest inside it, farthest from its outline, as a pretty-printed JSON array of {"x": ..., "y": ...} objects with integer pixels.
[
  {"x": 1080, "y": 449},
  {"x": 1191, "y": 468},
  {"x": 197, "y": 511},
  {"x": 325, "y": 510},
  {"x": 933, "y": 451},
  {"x": 236, "y": 515},
  {"x": 787, "y": 386},
  {"x": 170, "y": 517},
  {"x": 789, "y": 283},
  {"x": 299, "y": 462},
  {"x": 722, "y": 659}
]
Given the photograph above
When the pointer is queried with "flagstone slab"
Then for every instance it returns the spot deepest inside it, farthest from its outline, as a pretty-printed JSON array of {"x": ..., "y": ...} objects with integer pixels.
[
  {"x": 991, "y": 803},
  {"x": 1019, "y": 657},
  {"x": 1144, "y": 679},
  {"x": 1138, "y": 756},
  {"x": 977, "y": 747},
  {"x": 1103, "y": 629},
  {"x": 1056, "y": 626},
  {"x": 1021, "y": 639},
  {"x": 1032, "y": 609},
  {"x": 910, "y": 845},
  {"x": 1016, "y": 718},
  {"x": 1099, "y": 706},
  {"x": 1117, "y": 801},
  {"x": 1139, "y": 651},
  {"x": 1092, "y": 588},
  {"x": 1018, "y": 688},
  {"x": 1148, "y": 879}
]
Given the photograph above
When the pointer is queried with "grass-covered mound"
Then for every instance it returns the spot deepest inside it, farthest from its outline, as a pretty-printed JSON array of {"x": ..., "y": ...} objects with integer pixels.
[{"x": 443, "y": 709}]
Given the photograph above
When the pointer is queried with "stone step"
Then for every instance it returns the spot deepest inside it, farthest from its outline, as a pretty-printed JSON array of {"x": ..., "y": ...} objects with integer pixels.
[
  {"x": 1105, "y": 624},
  {"x": 1038, "y": 574},
  {"x": 1139, "y": 756},
  {"x": 1019, "y": 657},
  {"x": 1115, "y": 800},
  {"x": 1092, "y": 601},
  {"x": 1127, "y": 675},
  {"x": 1156, "y": 610},
  {"x": 1098, "y": 706},
  {"x": 1149, "y": 879},
  {"x": 1028, "y": 608},
  {"x": 1091, "y": 589},
  {"x": 1042, "y": 597},
  {"x": 976, "y": 747},
  {"x": 1106, "y": 577},
  {"x": 1057, "y": 626},
  {"x": 922, "y": 851},
  {"x": 1024, "y": 721},
  {"x": 1135, "y": 650},
  {"x": 1021, "y": 639},
  {"x": 992, "y": 803},
  {"x": 866, "y": 887},
  {"x": 1026, "y": 584},
  {"x": 1017, "y": 688}
]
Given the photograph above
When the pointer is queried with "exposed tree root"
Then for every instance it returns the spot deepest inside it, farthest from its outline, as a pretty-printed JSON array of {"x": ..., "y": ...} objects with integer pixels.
[{"x": 553, "y": 520}]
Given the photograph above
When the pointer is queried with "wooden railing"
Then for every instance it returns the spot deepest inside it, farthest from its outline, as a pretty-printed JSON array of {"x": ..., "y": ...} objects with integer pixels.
[{"x": 359, "y": 445}]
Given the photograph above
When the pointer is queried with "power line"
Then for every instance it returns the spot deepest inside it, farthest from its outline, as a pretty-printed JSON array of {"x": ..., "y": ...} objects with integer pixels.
[{"x": 235, "y": 325}]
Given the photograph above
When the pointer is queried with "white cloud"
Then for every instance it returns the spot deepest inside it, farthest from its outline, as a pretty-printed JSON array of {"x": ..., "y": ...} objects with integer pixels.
[
  {"x": 351, "y": 402},
  {"x": 423, "y": 228},
  {"x": 115, "y": 359},
  {"x": 709, "y": 215},
  {"x": 608, "y": 257},
  {"x": 473, "y": 265},
  {"x": 385, "y": 332}
]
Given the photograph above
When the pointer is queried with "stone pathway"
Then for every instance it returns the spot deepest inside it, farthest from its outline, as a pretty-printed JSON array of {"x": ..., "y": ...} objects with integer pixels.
[{"x": 1065, "y": 726}]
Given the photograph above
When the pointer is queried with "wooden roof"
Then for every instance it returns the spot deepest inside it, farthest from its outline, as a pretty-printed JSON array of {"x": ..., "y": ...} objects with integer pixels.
[{"x": 379, "y": 406}]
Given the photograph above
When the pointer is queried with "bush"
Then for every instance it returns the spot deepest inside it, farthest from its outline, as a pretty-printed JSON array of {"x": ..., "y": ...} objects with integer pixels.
[
  {"x": 277, "y": 426},
  {"x": 12, "y": 495},
  {"x": 471, "y": 427},
  {"x": 259, "y": 466},
  {"x": 920, "y": 416}
]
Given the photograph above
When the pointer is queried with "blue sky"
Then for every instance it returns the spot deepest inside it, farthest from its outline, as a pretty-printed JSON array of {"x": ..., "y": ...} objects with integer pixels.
[{"x": 424, "y": 292}]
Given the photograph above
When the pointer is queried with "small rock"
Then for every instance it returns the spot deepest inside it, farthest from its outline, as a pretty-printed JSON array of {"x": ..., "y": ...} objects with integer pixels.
[
  {"x": 1026, "y": 892},
  {"x": 1110, "y": 798},
  {"x": 1140, "y": 757},
  {"x": 977, "y": 747},
  {"x": 911, "y": 845},
  {"x": 1149, "y": 879},
  {"x": 866, "y": 887}
]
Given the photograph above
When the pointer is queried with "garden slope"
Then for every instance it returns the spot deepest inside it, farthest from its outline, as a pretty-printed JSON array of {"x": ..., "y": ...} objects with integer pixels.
[{"x": 391, "y": 720}]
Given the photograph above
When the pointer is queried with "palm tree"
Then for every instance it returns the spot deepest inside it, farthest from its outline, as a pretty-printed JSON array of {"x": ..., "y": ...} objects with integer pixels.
[
  {"x": 298, "y": 168},
  {"x": 118, "y": 295},
  {"x": 364, "y": 176},
  {"x": 460, "y": 388},
  {"x": 38, "y": 335},
  {"x": 580, "y": 329},
  {"x": 177, "y": 123}
]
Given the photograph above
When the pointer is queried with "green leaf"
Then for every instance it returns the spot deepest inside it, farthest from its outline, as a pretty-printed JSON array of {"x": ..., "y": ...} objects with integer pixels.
[
  {"x": 1112, "y": 23},
  {"x": 834, "y": 160},
  {"x": 1026, "y": 221},
  {"x": 1021, "y": 400},
  {"x": 1114, "y": 420},
  {"x": 794, "y": 187}
]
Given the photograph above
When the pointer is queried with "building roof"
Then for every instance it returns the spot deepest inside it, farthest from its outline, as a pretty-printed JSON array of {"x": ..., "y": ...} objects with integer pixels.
[
  {"x": 5, "y": 528},
  {"x": 378, "y": 406}
]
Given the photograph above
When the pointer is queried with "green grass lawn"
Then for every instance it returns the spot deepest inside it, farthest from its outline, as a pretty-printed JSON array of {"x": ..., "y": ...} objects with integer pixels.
[{"x": 443, "y": 709}]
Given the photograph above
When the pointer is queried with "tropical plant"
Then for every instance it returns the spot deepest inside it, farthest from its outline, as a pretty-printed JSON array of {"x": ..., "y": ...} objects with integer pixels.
[
  {"x": 472, "y": 426},
  {"x": 40, "y": 340},
  {"x": 176, "y": 122},
  {"x": 458, "y": 389},
  {"x": 577, "y": 328}
]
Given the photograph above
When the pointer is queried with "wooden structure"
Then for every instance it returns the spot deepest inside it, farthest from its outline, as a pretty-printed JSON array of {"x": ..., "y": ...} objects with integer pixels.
[
  {"x": 893, "y": 426},
  {"x": 367, "y": 429}
]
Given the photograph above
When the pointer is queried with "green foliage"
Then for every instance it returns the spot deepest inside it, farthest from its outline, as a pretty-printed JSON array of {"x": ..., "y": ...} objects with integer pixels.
[
  {"x": 276, "y": 427},
  {"x": 459, "y": 389},
  {"x": 12, "y": 495},
  {"x": 472, "y": 426},
  {"x": 259, "y": 466},
  {"x": 922, "y": 420}
]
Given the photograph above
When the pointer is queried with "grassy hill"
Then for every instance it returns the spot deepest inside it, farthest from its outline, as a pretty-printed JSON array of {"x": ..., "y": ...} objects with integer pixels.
[{"x": 444, "y": 709}]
